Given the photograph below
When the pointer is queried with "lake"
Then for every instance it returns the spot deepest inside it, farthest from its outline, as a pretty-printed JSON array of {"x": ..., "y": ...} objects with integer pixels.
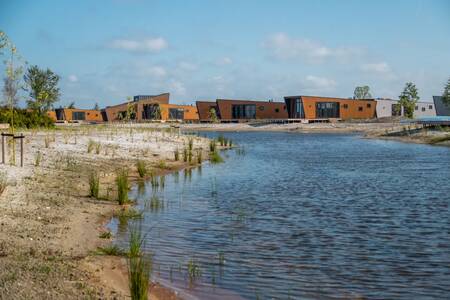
[{"x": 304, "y": 216}]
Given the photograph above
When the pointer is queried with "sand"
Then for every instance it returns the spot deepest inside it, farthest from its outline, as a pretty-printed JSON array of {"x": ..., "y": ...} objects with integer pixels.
[{"x": 49, "y": 227}]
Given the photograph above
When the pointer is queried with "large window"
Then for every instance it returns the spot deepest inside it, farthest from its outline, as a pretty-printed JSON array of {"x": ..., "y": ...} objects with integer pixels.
[
  {"x": 151, "y": 112},
  {"x": 327, "y": 110},
  {"x": 299, "y": 113},
  {"x": 176, "y": 114},
  {"x": 78, "y": 116},
  {"x": 243, "y": 111}
]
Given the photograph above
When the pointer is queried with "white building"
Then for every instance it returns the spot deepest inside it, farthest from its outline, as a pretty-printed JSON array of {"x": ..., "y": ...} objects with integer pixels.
[{"x": 391, "y": 108}]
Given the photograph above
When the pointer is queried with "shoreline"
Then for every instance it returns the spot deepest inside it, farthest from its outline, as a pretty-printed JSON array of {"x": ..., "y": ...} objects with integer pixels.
[{"x": 59, "y": 225}]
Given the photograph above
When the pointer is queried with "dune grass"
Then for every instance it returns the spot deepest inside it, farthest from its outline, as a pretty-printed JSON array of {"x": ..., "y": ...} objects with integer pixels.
[
  {"x": 122, "y": 186},
  {"x": 3, "y": 181},
  {"x": 215, "y": 157},
  {"x": 141, "y": 168},
  {"x": 94, "y": 184}
]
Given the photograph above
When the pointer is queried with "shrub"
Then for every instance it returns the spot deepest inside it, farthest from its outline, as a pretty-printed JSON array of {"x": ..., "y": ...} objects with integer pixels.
[
  {"x": 122, "y": 186},
  {"x": 94, "y": 184},
  {"x": 24, "y": 118}
]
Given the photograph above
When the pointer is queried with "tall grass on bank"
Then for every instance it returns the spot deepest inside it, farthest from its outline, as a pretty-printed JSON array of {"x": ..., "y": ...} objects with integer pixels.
[
  {"x": 139, "y": 266},
  {"x": 122, "y": 186},
  {"x": 212, "y": 146},
  {"x": 176, "y": 155},
  {"x": 141, "y": 168},
  {"x": 199, "y": 156},
  {"x": 94, "y": 184},
  {"x": 191, "y": 144},
  {"x": 185, "y": 154}
]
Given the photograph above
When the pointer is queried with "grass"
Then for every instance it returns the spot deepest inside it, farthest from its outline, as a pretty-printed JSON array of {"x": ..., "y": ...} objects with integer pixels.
[
  {"x": 98, "y": 148},
  {"x": 191, "y": 144},
  {"x": 215, "y": 158},
  {"x": 112, "y": 250},
  {"x": 212, "y": 146},
  {"x": 3, "y": 181},
  {"x": 141, "y": 168},
  {"x": 37, "y": 159},
  {"x": 439, "y": 139},
  {"x": 122, "y": 186},
  {"x": 199, "y": 156},
  {"x": 139, "y": 267},
  {"x": 193, "y": 270},
  {"x": 185, "y": 154},
  {"x": 176, "y": 155},
  {"x": 47, "y": 141},
  {"x": 105, "y": 235},
  {"x": 90, "y": 146},
  {"x": 94, "y": 184},
  {"x": 190, "y": 156}
]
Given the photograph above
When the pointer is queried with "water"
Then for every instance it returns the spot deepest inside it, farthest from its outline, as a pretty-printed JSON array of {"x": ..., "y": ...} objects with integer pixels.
[{"x": 306, "y": 216}]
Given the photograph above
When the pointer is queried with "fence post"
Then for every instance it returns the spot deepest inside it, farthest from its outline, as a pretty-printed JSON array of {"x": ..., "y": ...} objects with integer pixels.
[
  {"x": 21, "y": 150},
  {"x": 3, "y": 149}
]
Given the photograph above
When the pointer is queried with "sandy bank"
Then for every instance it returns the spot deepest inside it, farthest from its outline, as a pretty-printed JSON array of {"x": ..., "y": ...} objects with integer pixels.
[{"x": 50, "y": 228}]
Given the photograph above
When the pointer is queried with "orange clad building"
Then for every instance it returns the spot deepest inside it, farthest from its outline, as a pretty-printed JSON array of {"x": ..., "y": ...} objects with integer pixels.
[
  {"x": 175, "y": 112},
  {"x": 76, "y": 115},
  {"x": 313, "y": 107}
]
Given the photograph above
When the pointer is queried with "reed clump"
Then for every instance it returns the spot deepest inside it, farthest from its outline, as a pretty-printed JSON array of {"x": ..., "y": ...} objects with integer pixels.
[
  {"x": 193, "y": 270},
  {"x": 199, "y": 156},
  {"x": 176, "y": 155},
  {"x": 122, "y": 186},
  {"x": 94, "y": 184},
  {"x": 215, "y": 157},
  {"x": 139, "y": 267},
  {"x": 141, "y": 168}
]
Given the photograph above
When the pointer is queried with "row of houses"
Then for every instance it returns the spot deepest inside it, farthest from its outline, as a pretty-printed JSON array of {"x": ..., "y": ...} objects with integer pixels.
[{"x": 146, "y": 108}]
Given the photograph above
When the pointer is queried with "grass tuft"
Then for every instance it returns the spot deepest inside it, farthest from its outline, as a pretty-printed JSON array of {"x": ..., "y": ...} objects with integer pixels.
[
  {"x": 94, "y": 184},
  {"x": 90, "y": 146},
  {"x": 37, "y": 159},
  {"x": 139, "y": 267},
  {"x": 215, "y": 158},
  {"x": 3, "y": 181},
  {"x": 122, "y": 186},
  {"x": 141, "y": 168}
]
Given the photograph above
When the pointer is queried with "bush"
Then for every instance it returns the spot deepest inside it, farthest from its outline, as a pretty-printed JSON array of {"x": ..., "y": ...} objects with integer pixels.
[{"x": 24, "y": 118}]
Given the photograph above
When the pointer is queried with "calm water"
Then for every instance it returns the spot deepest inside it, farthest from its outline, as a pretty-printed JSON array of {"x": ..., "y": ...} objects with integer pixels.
[{"x": 306, "y": 216}]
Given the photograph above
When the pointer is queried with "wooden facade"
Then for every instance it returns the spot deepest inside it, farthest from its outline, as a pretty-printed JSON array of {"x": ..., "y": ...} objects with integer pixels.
[
  {"x": 313, "y": 107},
  {"x": 175, "y": 112},
  {"x": 204, "y": 109},
  {"x": 243, "y": 110},
  {"x": 76, "y": 115}
]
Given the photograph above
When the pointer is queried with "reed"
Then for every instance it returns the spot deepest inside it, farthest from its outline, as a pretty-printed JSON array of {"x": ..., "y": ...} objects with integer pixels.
[
  {"x": 190, "y": 156},
  {"x": 141, "y": 168},
  {"x": 94, "y": 184},
  {"x": 212, "y": 146},
  {"x": 185, "y": 155},
  {"x": 199, "y": 156},
  {"x": 193, "y": 270},
  {"x": 191, "y": 144},
  {"x": 98, "y": 148},
  {"x": 90, "y": 146},
  {"x": 139, "y": 267},
  {"x": 37, "y": 159},
  {"x": 215, "y": 158},
  {"x": 122, "y": 186},
  {"x": 177, "y": 154}
]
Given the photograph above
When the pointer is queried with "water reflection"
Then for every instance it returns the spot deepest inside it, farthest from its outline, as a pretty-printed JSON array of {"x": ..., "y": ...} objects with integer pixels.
[{"x": 306, "y": 216}]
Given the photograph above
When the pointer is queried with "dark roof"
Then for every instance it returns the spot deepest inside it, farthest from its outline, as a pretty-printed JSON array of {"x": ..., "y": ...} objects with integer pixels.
[
  {"x": 441, "y": 108},
  {"x": 323, "y": 97}
]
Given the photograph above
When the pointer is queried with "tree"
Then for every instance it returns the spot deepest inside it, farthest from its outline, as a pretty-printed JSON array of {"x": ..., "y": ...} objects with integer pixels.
[
  {"x": 213, "y": 115},
  {"x": 362, "y": 92},
  {"x": 43, "y": 88},
  {"x": 96, "y": 107},
  {"x": 408, "y": 99},
  {"x": 446, "y": 94}
]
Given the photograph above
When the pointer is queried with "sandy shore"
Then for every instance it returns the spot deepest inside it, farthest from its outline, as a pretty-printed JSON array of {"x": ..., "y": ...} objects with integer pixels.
[{"x": 49, "y": 227}]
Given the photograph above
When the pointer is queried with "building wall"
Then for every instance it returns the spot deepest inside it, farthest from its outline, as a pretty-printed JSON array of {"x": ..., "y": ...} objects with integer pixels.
[
  {"x": 203, "y": 108},
  {"x": 90, "y": 115},
  {"x": 190, "y": 112},
  {"x": 348, "y": 108},
  {"x": 264, "y": 109},
  {"x": 384, "y": 108},
  {"x": 112, "y": 112},
  {"x": 52, "y": 115},
  {"x": 424, "y": 109},
  {"x": 441, "y": 108}
]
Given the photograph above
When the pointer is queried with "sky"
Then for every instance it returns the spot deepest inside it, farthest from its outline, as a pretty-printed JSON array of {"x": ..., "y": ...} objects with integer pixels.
[{"x": 107, "y": 50}]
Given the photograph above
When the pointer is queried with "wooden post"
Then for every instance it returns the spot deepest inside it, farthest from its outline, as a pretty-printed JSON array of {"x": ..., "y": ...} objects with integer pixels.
[
  {"x": 21, "y": 150},
  {"x": 3, "y": 149}
]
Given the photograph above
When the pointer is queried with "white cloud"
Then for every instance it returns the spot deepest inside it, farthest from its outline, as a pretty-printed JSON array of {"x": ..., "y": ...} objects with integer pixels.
[
  {"x": 320, "y": 82},
  {"x": 381, "y": 67},
  {"x": 73, "y": 78},
  {"x": 177, "y": 87},
  {"x": 146, "y": 45},
  {"x": 156, "y": 71},
  {"x": 187, "y": 66},
  {"x": 284, "y": 47},
  {"x": 224, "y": 61}
]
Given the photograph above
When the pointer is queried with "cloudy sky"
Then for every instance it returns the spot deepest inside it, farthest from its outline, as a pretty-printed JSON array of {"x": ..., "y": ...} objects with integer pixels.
[{"x": 105, "y": 51}]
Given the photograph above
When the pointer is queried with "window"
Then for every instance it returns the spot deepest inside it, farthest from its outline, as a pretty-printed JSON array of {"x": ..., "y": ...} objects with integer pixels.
[
  {"x": 360, "y": 108},
  {"x": 430, "y": 106},
  {"x": 369, "y": 105},
  {"x": 416, "y": 108},
  {"x": 277, "y": 110},
  {"x": 327, "y": 110},
  {"x": 78, "y": 116},
  {"x": 423, "y": 108},
  {"x": 243, "y": 111},
  {"x": 176, "y": 114},
  {"x": 345, "y": 106}
]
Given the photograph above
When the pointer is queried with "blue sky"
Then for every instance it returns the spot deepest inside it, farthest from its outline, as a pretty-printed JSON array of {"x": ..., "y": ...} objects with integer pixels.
[{"x": 105, "y": 51}]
